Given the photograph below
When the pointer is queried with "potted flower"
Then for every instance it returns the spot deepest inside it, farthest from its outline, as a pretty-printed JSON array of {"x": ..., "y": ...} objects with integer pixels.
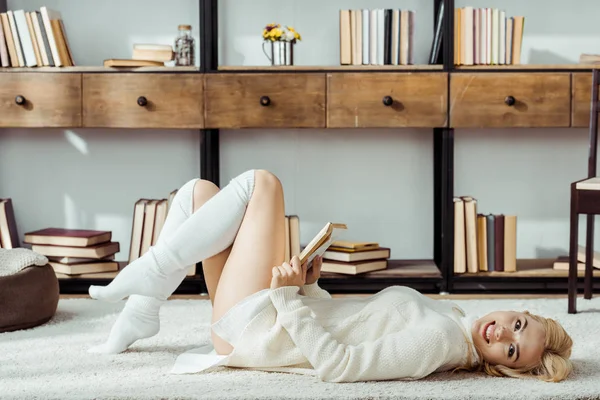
[{"x": 280, "y": 44}]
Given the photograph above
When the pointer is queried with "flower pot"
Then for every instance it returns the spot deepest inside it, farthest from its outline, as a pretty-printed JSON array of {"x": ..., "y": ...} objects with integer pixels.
[{"x": 279, "y": 52}]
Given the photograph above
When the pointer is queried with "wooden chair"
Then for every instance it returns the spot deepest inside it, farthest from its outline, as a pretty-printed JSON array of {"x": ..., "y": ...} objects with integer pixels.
[{"x": 585, "y": 199}]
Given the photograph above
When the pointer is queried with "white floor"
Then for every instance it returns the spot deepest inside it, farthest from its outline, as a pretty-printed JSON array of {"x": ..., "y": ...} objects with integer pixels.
[{"x": 51, "y": 361}]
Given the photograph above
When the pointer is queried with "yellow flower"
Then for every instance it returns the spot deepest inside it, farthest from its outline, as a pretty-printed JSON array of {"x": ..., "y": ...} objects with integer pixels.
[{"x": 296, "y": 34}]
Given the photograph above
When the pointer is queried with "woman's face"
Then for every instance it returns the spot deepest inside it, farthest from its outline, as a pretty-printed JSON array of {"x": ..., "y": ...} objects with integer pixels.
[{"x": 509, "y": 338}]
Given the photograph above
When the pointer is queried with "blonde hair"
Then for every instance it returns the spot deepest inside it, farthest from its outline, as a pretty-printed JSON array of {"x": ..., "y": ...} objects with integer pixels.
[{"x": 554, "y": 365}]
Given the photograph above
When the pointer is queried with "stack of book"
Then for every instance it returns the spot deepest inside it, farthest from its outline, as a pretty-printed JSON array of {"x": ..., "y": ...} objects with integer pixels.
[
  {"x": 9, "y": 238},
  {"x": 483, "y": 242},
  {"x": 377, "y": 37},
  {"x": 352, "y": 258},
  {"x": 487, "y": 36},
  {"x": 144, "y": 55},
  {"x": 75, "y": 251},
  {"x": 34, "y": 39}
]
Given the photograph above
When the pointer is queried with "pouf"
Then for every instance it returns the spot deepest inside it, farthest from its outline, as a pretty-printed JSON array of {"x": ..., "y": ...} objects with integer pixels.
[{"x": 29, "y": 290}]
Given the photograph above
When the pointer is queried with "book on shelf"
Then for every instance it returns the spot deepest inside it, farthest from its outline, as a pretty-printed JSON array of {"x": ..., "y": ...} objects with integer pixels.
[
  {"x": 34, "y": 39},
  {"x": 376, "y": 36},
  {"x": 354, "y": 257},
  {"x": 487, "y": 36},
  {"x": 483, "y": 242},
  {"x": 589, "y": 58},
  {"x": 75, "y": 251},
  {"x": 562, "y": 262},
  {"x": 9, "y": 237}
]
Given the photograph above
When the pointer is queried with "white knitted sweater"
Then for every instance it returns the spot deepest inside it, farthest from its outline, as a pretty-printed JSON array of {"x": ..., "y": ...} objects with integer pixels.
[{"x": 397, "y": 333}]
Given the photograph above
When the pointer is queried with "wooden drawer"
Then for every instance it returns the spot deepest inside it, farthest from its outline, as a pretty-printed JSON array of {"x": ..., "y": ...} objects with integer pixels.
[
  {"x": 510, "y": 100},
  {"x": 582, "y": 98},
  {"x": 140, "y": 100},
  {"x": 380, "y": 100},
  {"x": 39, "y": 99},
  {"x": 256, "y": 100}
]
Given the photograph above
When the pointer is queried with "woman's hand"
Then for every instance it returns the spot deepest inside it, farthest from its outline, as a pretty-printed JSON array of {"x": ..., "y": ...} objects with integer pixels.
[
  {"x": 314, "y": 273},
  {"x": 289, "y": 275}
]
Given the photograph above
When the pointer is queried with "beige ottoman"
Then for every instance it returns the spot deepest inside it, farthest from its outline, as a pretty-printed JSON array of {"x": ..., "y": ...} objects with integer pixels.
[{"x": 29, "y": 290}]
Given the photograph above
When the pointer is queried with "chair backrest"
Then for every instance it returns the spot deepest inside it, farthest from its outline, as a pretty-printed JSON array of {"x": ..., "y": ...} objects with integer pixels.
[{"x": 593, "y": 150}]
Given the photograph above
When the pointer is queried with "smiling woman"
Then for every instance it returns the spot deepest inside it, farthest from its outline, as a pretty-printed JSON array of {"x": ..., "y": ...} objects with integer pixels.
[{"x": 521, "y": 344}]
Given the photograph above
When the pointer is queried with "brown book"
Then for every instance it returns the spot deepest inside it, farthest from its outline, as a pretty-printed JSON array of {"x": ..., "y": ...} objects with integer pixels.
[
  {"x": 116, "y": 62},
  {"x": 159, "y": 219},
  {"x": 355, "y": 268},
  {"x": 562, "y": 264},
  {"x": 374, "y": 254},
  {"x": 137, "y": 229},
  {"x": 67, "y": 237},
  {"x": 499, "y": 242},
  {"x": 85, "y": 268},
  {"x": 79, "y": 260},
  {"x": 149, "y": 220},
  {"x": 482, "y": 242},
  {"x": 350, "y": 246},
  {"x": 96, "y": 251},
  {"x": 9, "y": 238},
  {"x": 510, "y": 243}
]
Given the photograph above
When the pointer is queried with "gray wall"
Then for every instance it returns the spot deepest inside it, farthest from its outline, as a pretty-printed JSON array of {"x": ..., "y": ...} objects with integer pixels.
[{"x": 378, "y": 181}]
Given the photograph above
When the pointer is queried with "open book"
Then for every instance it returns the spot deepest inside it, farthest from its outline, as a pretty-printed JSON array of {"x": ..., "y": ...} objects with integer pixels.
[{"x": 321, "y": 242}]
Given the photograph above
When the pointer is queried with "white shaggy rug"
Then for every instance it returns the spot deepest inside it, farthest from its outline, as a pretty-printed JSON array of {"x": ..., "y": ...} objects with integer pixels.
[{"x": 51, "y": 362}]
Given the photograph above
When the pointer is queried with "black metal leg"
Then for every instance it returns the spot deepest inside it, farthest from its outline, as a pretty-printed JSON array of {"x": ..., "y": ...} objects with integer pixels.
[
  {"x": 589, "y": 256},
  {"x": 443, "y": 176},
  {"x": 574, "y": 226}
]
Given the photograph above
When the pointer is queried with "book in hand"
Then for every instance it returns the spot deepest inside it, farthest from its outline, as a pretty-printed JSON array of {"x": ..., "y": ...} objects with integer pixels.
[
  {"x": 67, "y": 237},
  {"x": 319, "y": 244}
]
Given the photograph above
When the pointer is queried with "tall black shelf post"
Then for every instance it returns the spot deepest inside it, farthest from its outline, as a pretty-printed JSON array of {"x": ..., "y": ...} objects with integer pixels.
[
  {"x": 443, "y": 160},
  {"x": 209, "y": 63},
  {"x": 3, "y": 6}
]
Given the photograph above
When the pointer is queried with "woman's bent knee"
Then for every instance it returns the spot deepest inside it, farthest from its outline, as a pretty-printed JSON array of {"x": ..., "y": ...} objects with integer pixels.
[
  {"x": 267, "y": 180},
  {"x": 203, "y": 191}
]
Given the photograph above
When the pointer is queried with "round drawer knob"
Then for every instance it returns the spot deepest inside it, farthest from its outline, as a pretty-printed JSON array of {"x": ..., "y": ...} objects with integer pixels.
[
  {"x": 510, "y": 101},
  {"x": 20, "y": 100},
  {"x": 388, "y": 101},
  {"x": 265, "y": 101},
  {"x": 142, "y": 101}
]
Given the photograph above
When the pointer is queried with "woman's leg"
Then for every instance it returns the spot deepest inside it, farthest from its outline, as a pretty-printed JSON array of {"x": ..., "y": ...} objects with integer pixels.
[
  {"x": 206, "y": 233},
  {"x": 258, "y": 247},
  {"x": 140, "y": 316}
]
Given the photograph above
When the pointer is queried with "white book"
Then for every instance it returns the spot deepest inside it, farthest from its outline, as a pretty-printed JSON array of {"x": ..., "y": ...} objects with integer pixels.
[
  {"x": 48, "y": 15},
  {"x": 502, "y": 38},
  {"x": 468, "y": 29},
  {"x": 373, "y": 37},
  {"x": 489, "y": 36},
  {"x": 495, "y": 35},
  {"x": 482, "y": 36},
  {"x": 404, "y": 35},
  {"x": 476, "y": 36},
  {"x": 26, "y": 39},
  {"x": 380, "y": 36},
  {"x": 17, "y": 40},
  {"x": 395, "y": 37},
  {"x": 37, "y": 28},
  {"x": 365, "y": 36},
  {"x": 509, "y": 36}
]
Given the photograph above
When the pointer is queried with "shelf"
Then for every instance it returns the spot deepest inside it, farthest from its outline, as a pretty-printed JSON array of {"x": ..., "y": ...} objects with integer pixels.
[
  {"x": 518, "y": 67},
  {"x": 527, "y": 268},
  {"x": 98, "y": 69},
  {"x": 292, "y": 68}
]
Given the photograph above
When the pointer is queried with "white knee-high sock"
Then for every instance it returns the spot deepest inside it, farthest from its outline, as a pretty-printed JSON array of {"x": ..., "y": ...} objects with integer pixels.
[
  {"x": 207, "y": 232},
  {"x": 140, "y": 316}
]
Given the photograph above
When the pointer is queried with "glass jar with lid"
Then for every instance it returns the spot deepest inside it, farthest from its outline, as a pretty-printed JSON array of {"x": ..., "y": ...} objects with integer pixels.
[{"x": 184, "y": 46}]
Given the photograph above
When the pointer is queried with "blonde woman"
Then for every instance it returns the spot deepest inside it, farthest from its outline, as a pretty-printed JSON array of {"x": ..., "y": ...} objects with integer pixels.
[{"x": 271, "y": 314}]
